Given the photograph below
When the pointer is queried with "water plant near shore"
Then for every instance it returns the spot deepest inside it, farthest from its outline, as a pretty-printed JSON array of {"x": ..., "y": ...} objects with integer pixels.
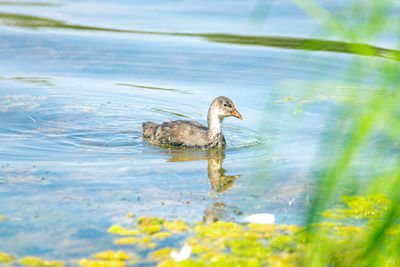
[{"x": 346, "y": 228}]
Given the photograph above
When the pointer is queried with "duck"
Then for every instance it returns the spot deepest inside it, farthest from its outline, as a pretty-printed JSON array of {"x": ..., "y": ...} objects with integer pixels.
[{"x": 191, "y": 134}]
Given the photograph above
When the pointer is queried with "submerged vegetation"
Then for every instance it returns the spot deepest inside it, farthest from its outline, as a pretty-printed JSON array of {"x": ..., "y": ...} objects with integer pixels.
[{"x": 346, "y": 228}]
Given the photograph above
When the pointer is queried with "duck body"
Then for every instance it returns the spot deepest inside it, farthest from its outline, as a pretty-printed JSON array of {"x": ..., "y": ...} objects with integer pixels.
[
  {"x": 181, "y": 133},
  {"x": 188, "y": 134}
]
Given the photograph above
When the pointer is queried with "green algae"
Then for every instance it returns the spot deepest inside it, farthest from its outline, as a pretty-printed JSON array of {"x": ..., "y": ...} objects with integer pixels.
[
  {"x": 109, "y": 258},
  {"x": 126, "y": 240},
  {"x": 150, "y": 229},
  {"x": 175, "y": 226},
  {"x": 6, "y": 258},
  {"x": 343, "y": 233},
  {"x": 37, "y": 262},
  {"x": 162, "y": 235},
  {"x": 217, "y": 229},
  {"x": 233, "y": 244},
  {"x": 101, "y": 263},
  {"x": 146, "y": 241},
  {"x": 161, "y": 254},
  {"x": 120, "y": 230},
  {"x": 149, "y": 225},
  {"x": 357, "y": 207},
  {"x": 112, "y": 255}
]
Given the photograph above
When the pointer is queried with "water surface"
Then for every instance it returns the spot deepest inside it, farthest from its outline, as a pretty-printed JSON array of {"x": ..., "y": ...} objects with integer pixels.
[{"x": 73, "y": 98}]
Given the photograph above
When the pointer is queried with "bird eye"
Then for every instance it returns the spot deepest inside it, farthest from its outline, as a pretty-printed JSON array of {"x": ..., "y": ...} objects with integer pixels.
[{"x": 225, "y": 105}]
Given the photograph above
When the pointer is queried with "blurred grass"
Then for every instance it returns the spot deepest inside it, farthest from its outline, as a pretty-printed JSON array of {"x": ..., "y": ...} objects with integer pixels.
[{"x": 363, "y": 140}]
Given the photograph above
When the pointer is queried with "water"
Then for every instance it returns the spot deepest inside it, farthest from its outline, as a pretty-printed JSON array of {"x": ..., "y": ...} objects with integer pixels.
[{"x": 72, "y": 158}]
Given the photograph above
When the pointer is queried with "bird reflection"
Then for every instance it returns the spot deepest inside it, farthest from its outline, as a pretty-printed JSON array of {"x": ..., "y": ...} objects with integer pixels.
[
  {"x": 219, "y": 181},
  {"x": 214, "y": 212},
  {"x": 215, "y": 157}
]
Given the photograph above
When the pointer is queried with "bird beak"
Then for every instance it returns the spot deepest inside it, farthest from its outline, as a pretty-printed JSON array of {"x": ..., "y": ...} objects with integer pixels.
[{"x": 236, "y": 114}]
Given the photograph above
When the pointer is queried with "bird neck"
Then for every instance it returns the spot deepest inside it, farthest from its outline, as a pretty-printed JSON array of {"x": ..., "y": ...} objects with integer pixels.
[{"x": 214, "y": 123}]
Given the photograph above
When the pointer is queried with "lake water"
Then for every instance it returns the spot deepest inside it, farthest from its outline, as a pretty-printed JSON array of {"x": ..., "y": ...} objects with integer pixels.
[{"x": 74, "y": 92}]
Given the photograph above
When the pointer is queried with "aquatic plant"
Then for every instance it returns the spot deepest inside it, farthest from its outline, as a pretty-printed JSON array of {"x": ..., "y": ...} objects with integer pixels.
[
  {"x": 359, "y": 152},
  {"x": 37, "y": 262},
  {"x": 346, "y": 228},
  {"x": 6, "y": 258}
]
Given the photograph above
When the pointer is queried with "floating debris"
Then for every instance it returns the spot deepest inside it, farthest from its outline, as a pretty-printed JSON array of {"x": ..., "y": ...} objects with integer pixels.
[
  {"x": 260, "y": 218},
  {"x": 183, "y": 254}
]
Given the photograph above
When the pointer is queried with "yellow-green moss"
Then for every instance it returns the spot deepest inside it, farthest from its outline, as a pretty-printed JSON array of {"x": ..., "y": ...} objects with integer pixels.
[
  {"x": 6, "y": 258},
  {"x": 161, "y": 254},
  {"x": 162, "y": 235},
  {"x": 231, "y": 244},
  {"x": 358, "y": 207},
  {"x": 101, "y": 263},
  {"x": 112, "y": 255},
  {"x": 220, "y": 229},
  {"x": 149, "y": 229},
  {"x": 119, "y": 230},
  {"x": 149, "y": 221},
  {"x": 126, "y": 240},
  {"x": 37, "y": 262},
  {"x": 149, "y": 225},
  {"x": 146, "y": 241},
  {"x": 282, "y": 242},
  {"x": 175, "y": 226}
]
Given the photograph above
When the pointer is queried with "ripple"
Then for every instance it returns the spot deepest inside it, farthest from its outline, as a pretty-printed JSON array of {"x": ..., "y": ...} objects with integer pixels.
[
  {"x": 239, "y": 139},
  {"x": 155, "y": 88},
  {"x": 104, "y": 138},
  {"x": 22, "y": 102}
]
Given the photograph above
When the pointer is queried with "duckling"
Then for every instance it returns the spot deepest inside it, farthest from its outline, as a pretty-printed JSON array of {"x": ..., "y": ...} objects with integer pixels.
[{"x": 189, "y": 134}]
